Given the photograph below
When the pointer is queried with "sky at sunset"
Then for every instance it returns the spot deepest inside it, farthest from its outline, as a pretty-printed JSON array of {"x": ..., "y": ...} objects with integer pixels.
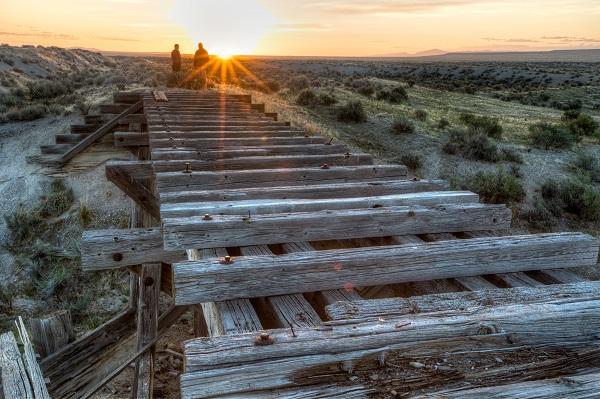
[{"x": 309, "y": 27}]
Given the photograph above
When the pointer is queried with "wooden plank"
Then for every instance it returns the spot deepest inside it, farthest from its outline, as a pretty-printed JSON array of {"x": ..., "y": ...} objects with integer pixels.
[
  {"x": 510, "y": 280},
  {"x": 288, "y": 310},
  {"x": 178, "y": 181},
  {"x": 230, "y": 133},
  {"x": 314, "y": 191},
  {"x": 215, "y": 143},
  {"x": 396, "y": 307},
  {"x": 134, "y": 189},
  {"x": 253, "y": 207},
  {"x": 263, "y": 162},
  {"x": 475, "y": 283},
  {"x": 159, "y": 96},
  {"x": 233, "y": 365},
  {"x": 196, "y": 282},
  {"x": 231, "y": 230},
  {"x": 580, "y": 386},
  {"x": 34, "y": 373},
  {"x": 15, "y": 382},
  {"x": 236, "y": 152},
  {"x": 227, "y": 317},
  {"x": 557, "y": 276},
  {"x": 125, "y": 139},
  {"x": 147, "y": 329},
  {"x": 99, "y": 133},
  {"x": 116, "y": 248}
]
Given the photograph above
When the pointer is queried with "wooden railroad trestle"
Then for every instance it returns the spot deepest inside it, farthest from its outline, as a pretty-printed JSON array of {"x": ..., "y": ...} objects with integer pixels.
[{"x": 300, "y": 257}]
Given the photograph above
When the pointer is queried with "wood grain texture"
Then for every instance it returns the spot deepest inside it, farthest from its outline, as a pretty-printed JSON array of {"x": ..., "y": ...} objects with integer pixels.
[
  {"x": 196, "y": 282},
  {"x": 311, "y": 191},
  {"x": 394, "y": 307},
  {"x": 178, "y": 181},
  {"x": 15, "y": 382},
  {"x": 230, "y": 230},
  {"x": 36, "y": 379},
  {"x": 312, "y": 205},
  {"x": 314, "y": 353},
  {"x": 110, "y": 249},
  {"x": 51, "y": 332}
]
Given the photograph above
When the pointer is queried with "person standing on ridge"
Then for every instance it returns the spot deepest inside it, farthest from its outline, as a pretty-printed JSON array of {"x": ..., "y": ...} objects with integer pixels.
[
  {"x": 200, "y": 60},
  {"x": 176, "y": 59}
]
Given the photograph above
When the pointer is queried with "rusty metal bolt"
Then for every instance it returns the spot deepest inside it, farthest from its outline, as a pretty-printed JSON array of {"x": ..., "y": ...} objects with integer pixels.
[
  {"x": 117, "y": 257},
  {"x": 227, "y": 260},
  {"x": 411, "y": 214},
  {"x": 188, "y": 168},
  {"x": 329, "y": 142},
  {"x": 206, "y": 217},
  {"x": 263, "y": 339},
  {"x": 324, "y": 166},
  {"x": 415, "y": 179},
  {"x": 347, "y": 155}
]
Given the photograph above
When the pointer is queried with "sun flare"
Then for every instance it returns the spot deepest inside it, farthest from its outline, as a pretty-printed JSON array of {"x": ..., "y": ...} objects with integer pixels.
[{"x": 213, "y": 24}]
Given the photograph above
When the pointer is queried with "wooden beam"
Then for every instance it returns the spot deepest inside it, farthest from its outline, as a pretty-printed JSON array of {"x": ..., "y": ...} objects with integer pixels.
[
  {"x": 580, "y": 386},
  {"x": 99, "y": 133},
  {"x": 147, "y": 329},
  {"x": 179, "y": 181},
  {"x": 236, "y": 152},
  {"x": 234, "y": 365},
  {"x": 230, "y": 230},
  {"x": 196, "y": 282},
  {"x": 396, "y": 307},
  {"x": 254, "y": 207},
  {"x": 262, "y": 162},
  {"x": 225, "y": 142},
  {"x": 15, "y": 382},
  {"x": 127, "y": 139},
  {"x": 111, "y": 249},
  {"x": 314, "y": 191},
  {"x": 131, "y": 186}
]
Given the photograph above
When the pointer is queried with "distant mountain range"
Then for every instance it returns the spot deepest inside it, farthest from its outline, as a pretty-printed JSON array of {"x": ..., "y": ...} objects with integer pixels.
[{"x": 583, "y": 55}]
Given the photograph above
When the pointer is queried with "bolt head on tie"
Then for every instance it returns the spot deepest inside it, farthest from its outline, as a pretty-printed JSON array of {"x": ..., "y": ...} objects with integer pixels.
[
  {"x": 188, "y": 168},
  {"x": 329, "y": 142},
  {"x": 347, "y": 155},
  {"x": 206, "y": 217},
  {"x": 263, "y": 339},
  {"x": 324, "y": 166},
  {"x": 227, "y": 260}
]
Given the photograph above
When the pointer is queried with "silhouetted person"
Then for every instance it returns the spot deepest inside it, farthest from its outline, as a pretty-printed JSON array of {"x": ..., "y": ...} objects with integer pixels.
[
  {"x": 200, "y": 57},
  {"x": 176, "y": 59},
  {"x": 200, "y": 60}
]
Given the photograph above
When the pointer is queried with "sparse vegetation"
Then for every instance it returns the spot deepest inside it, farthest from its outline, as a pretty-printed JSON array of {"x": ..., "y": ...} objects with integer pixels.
[
  {"x": 547, "y": 136},
  {"x": 412, "y": 161},
  {"x": 307, "y": 98},
  {"x": 394, "y": 96},
  {"x": 572, "y": 196},
  {"x": 490, "y": 126},
  {"x": 497, "y": 187},
  {"x": 421, "y": 115},
  {"x": 352, "y": 112},
  {"x": 402, "y": 125},
  {"x": 586, "y": 165},
  {"x": 299, "y": 83},
  {"x": 443, "y": 123}
]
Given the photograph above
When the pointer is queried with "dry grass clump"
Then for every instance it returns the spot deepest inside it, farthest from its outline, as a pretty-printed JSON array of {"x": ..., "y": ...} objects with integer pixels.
[{"x": 352, "y": 112}]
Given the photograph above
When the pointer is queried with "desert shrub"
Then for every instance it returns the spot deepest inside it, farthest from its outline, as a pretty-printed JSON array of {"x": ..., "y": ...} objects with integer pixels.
[
  {"x": 472, "y": 145},
  {"x": 46, "y": 89},
  {"x": 582, "y": 125},
  {"x": 298, "y": 83},
  {"x": 510, "y": 155},
  {"x": 572, "y": 196},
  {"x": 395, "y": 95},
  {"x": 366, "y": 90},
  {"x": 57, "y": 200},
  {"x": 497, "y": 187},
  {"x": 10, "y": 100},
  {"x": 490, "y": 126},
  {"x": 570, "y": 115},
  {"x": 421, "y": 115},
  {"x": 443, "y": 123},
  {"x": 586, "y": 165},
  {"x": 538, "y": 216},
  {"x": 307, "y": 98},
  {"x": 327, "y": 99},
  {"x": 412, "y": 161},
  {"x": 547, "y": 136},
  {"x": 27, "y": 113},
  {"x": 85, "y": 214},
  {"x": 273, "y": 86},
  {"x": 402, "y": 125},
  {"x": 23, "y": 225},
  {"x": 353, "y": 111}
]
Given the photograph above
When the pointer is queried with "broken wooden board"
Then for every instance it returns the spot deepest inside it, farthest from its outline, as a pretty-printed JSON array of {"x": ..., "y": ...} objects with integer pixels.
[
  {"x": 235, "y": 364},
  {"x": 229, "y": 230},
  {"x": 196, "y": 282}
]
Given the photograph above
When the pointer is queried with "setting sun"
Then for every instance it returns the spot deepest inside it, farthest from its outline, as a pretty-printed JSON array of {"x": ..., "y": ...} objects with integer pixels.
[{"x": 226, "y": 27}]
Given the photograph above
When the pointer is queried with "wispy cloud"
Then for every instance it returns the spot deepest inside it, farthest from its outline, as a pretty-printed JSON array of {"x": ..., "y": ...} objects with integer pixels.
[
  {"x": 295, "y": 27},
  {"x": 572, "y": 39},
  {"x": 40, "y": 34},
  {"x": 389, "y": 7},
  {"x": 510, "y": 40},
  {"x": 117, "y": 39}
]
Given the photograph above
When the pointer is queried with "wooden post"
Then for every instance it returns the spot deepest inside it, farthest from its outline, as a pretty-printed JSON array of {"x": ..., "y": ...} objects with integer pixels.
[
  {"x": 200, "y": 326},
  {"x": 52, "y": 332},
  {"x": 147, "y": 329}
]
